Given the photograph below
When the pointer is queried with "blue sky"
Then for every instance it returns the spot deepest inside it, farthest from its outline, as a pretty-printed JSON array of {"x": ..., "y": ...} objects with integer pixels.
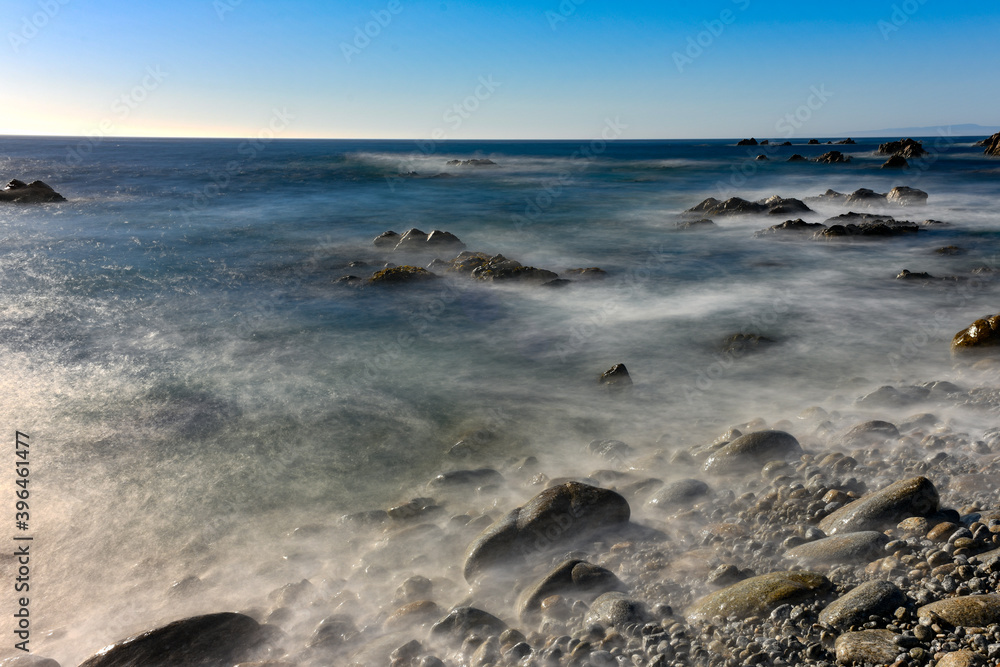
[{"x": 517, "y": 69}]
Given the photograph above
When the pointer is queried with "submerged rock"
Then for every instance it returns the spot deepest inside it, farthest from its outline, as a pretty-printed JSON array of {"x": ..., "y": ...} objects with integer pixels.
[
  {"x": 679, "y": 494},
  {"x": 905, "y": 498},
  {"x": 617, "y": 610},
  {"x": 983, "y": 334},
  {"x": 616, "y": 377},
  {"x": 500, "y": 269},
  {"x": 703, "y": 223},
  {"x": 553, "y": 518},
  {"x": 872, "y": 598},
  {"x": 402, "y": 275},
  {"x": 464, "y": 621},
  {"x": 572, "y": 578},
  {"x": 215, "y": 640},
  {"x": 35, "y": 192},
  {"x": 460, "y": 478},
  {"x": 758, "y": 596},
  {"x": 590, "y": 273},
  {"x": 868, "y": 647},
  {"x": 752, "y": 451},
  {"x": 791, "y": 227}
]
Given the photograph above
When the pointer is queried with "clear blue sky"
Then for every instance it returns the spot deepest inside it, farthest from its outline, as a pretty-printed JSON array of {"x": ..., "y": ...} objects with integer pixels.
[{"x": 553, "y": 68}]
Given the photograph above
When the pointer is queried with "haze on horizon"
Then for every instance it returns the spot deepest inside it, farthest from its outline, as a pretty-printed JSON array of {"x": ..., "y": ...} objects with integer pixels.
[{"x": 524, "y": 69}]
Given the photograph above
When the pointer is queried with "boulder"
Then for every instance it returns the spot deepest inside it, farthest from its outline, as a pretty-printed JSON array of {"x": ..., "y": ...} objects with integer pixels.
[
  {"x": 402, "y": 275},
  {"x": 983, "y": 334},
  {"x": 617, "y": 610},
  {"x": 961, "y": 658},
  {"x": 616, "y": 377},
  {"x": 789, "y": 228},
  {"x": 873, "y": 431},
  {"x": 590, "y": 273},
  {"x": 907, "y": 148},
  {"x": 977, "y": 611},
  {"x": 762, "y": 157},
  {"x": 466, "y": 478},
  {"x": 797, "y": 158},
  {"x": 861, "y": 547},
  {"x": 500, "y": 269},
  {"x": 872, "y": 598},
  {"x": 774, "y": 205},
  {"x": 992, "y": 145},
  {"x": 911, "y": 275},
  {"x": 464, "y": 621},
  {"x": 869, "y": 230},
  {"x": 833, "y": 157},
  {"x": 906, "y": 196},
  {"x": 214, "y": 640},
  {"x": 35, "y": 192},
  {"x": 846, "y": 142},
  {"x": 554, "y": 518},
  {"x": 886, "y": 507},
  {"x": 572, "y": 578},
  {"x": 752, "y": 451},
  {"x": 867, "y": 647},
  {"x": 415, "y": 240},
  {"x": 747, "y": 142},
  {"x": 758, "y": 596},
  {"x": 387, "y": 239},
  {"x": 896, "y": 162},
  {"x": 865, "y": 197},
  {"x": 681, "y": 493},
  {"x": 703, "y": 223},
  {"x": 813, "y": 142},
  {"x": 784, "y": 205}
]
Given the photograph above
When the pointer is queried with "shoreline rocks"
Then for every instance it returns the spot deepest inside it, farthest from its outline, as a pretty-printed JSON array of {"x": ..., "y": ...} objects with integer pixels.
[{"x": 35, "y": 192}]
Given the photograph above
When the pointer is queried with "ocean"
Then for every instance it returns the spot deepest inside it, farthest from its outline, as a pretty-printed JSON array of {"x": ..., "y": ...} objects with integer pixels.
[{"x": 199, "y": 389}]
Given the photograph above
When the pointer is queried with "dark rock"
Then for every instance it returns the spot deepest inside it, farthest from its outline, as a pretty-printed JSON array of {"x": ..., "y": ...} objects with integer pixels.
[
  {"x": 833, "y": 157},
  {"x": 758, "y": 596},
  {"x": 572, "y": 578},
  {"x": 861, "y": 547},
  {"x": 786, "y": 143},
  {"x": 846, "y": 142},
  {"x": 785, "y": 205},
  {"x": 797, "y": 158},
  {"x": 896, "y": 162},
  {"x": 867, "y": 647},
  {"x": 617, "y": 610},
  {"x": 35, "y": 192},
  {"x": 866, "y": 197},
  {"x": 747, "y": 142},
  {"x": 906, "y": 196},
  {"x": 500, "y": 269},
  {"x": 555, "y": 517},
  {"x": 752, "y": 451},
  {"x": 852, "y": 218},
  {"x": 401, "y": 275},
  {"x": 214, "y": 640},
  {"x": 558, "y": 282},
  {"x": 872, "y": 598},
  {"x": 762, "y": 157},
  {"x": 677, "y": 494},
  {"x": 616, "y": 377},
  {"x": 464, "y": 621},
  {"x": 765, "y": 142},
  {"x": 813, "y": 142},
  {"x": 415, "y": 240},
  {"x": 910, "y": 275},
  {"x": 458, "y": 478},
  {"x": 333, "y": 632},
  {"x": 736, "y": 206},
  {"x": 591, "y": 273},
  {"x": 741, "y": 343},
  {"x": 791, "y": 227},
  {"x": 869, "y": 229},
  {"x": 695, "y": 224},
  {"x": 969, "y": 611},
  {"x": 907, "y": 148},
  {"x": 887, "y": 507},
  {"x": 983, "y": 334},
  {"x": 950, "y": 250},
  {"x": 992, "y": 145},
  {"x": 438, "y": 240},
  {"x": 610, "y": 449}
]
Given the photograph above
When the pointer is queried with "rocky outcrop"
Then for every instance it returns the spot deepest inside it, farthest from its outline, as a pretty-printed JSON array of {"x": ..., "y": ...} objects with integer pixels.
[
  {"x": 747, "y": 142},
  {"x": 402, "y": 275},
  {"x": 35, "y": 192},
  {"x": 983, "y": 334},
  {"x": 833, "y": 157},
  {"x": 905, "y": 498},
  {"x": 554, "y": 518},
  {"x": 907, "y": 148},
  {"x": 500, "y": 269},
  {"x": 215, "y": 640},
  {"x": 895, "y": 162},
  {"x": 869, "y": 229},
  {"x": 703, "y": 223},
  {"x": 774, "y": 205},
  {"x": 797, "y": 158},
  {"x": 906, "y": 196},
  {"x": 416, "y": 241},
  {"x": 797, "y": 227},
  {"x": 992, "y": 145},
  {"x": 846, "y": 142}
]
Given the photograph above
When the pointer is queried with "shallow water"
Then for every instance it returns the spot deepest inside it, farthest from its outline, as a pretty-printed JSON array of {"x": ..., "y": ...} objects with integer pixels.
[{"x": 196, "y": 386}]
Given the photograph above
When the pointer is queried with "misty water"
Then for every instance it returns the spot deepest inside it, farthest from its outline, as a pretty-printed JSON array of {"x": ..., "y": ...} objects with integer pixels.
[{"x": 197, "y": 386}]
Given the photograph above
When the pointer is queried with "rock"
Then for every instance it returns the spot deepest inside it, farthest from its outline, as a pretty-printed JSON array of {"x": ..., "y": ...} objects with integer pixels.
[
  {"x": 415, "y": 240},
  {"x": 905, "y": 498},
  {"x": 610, "y": 449},
  {"x": 747, "y": 142},
  {"x": 833, "y": 157},
  {"x": 992, "y": 145},
  {"x": 906, "y": 196},
  {"x": 704, "y": 223},
  {"x": 35, "y": 192},
  {"x": 762, "y": 157},
  {"x": 846, "y": 142},
  {"x": 214, "y": 640},
  {"x": 333, "y": 632},
  {"x": 572, "y": 578},
  {"x": 741, "y": 343},
  {"x": 28, "y": 660},
  {"x": 910, "y": 275},
  {"x": 968, "y": 610},
  {"x": 475, "y": 162},
  {"x": 870, "y": 432},
  {"x": 896, "y": 162},
  {"x": 591, "y": 273},
  {"x": 500, "y": 269},
  {"x": 387, "y": 239},
  {"x": 784, "y": 205},
  {"x": 758, "y": 596},
  {"x": 859, "y": 218},
  {"x": 438, "y": 240},
  {"x": 617, "y": 610},
  {"x": 555, "y": 517},
  {"x": 765, "y": 142},
  {"x": 869, "y": 229},
  {"x": 797, "y": 158},
  {"x": 875, "y": 647},
  {"x": 459, "y": 478},
  {"x": 786, "y": 143},
  {"x": 963, "y": 658},
  {"x": 679, "y": 494},
  {"x": 861, "y": 547},
  {"x": 732, "y": 206},
  {"x": 402, "y": 275},
  {"x": 616, "y": 377},
  {"x": 414, "y": 613},
  {"x": 812, "y": 142},
  {"x": 752, "y": 451},
  {"x": 790, "y": 227},
  {"x": 865, "y": 197},
  {"x": 907, "y": 148},
  {"x": 950, "y": 250},
  {"x": 464, "y": 621},
  {"x": 872, "y": 598},
  {"x": 983, "y": 334}
]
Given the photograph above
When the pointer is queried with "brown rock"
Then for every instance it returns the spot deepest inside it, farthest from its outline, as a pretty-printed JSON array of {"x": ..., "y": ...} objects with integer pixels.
[{"x": 980, "y": 335}]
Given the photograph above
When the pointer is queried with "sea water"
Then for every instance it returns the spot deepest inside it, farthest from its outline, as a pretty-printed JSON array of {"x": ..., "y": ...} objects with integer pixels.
[{"x": 196, "y": 385}]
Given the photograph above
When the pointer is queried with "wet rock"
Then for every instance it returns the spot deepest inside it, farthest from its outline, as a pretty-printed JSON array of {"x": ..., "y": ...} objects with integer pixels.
[
  {"x": 992, "y": 145},
  {"x": 732, "y": 206},
  {"x": 859, "y": 218},
  {"x": 813, "y": 142},
  {"x": 616, "y": 377},
  {"x": 747, "y": 142},
  {"x": 869, "y": 229},
  {"x": 617, "y": 610},
  {"x": 762, "y": 157},
  {"x": 554, "y": 517},
  {"x": 875, "y": 647},
  {"x": 969, "y": 610},
  {"x": 333, "y": 632},
  {"x": 860, "y": 547},
  {"x": 905, "y": 498},
  {"x": 911, "y": 275},
  {"x": 752, "y": 451},
  {"x": 872, "y": 598},
  {"x": 35, "y": 192},
  {"x": 613, "y": 450},
  {"x": 907, "y": 148},
  {"x": 466, "y": 478},
  {"x": 791, "y": 227},
  {"x": 572, "y": 578},
  {"x": 758, "y": 596},
  {"x": 983, "y": 334},
  {"x": 387, "y": 240},
  {"x": 681, "y": 493},
  {"x": 833, "y": 157},
  {"x": 784, "y": 205},
  {"x": 464, "y": 621},
  {"x": 214, "y": 640},
  {"x": 590, "y": 273},
  {"x": 896, "y": 162},
  {"x": 846, "y": 142},
  {"x": 703, "y": 223},
  {"x": 402, "y": 275},
  {"x": 950, "y": 250},
  {"x": 797, "y": 158},
  {"x": 742, "y": 343},
  {"x": 500, "y": 269},
  {"x": 414, "y": 613},
  {"x": 906, "y": 196}
]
